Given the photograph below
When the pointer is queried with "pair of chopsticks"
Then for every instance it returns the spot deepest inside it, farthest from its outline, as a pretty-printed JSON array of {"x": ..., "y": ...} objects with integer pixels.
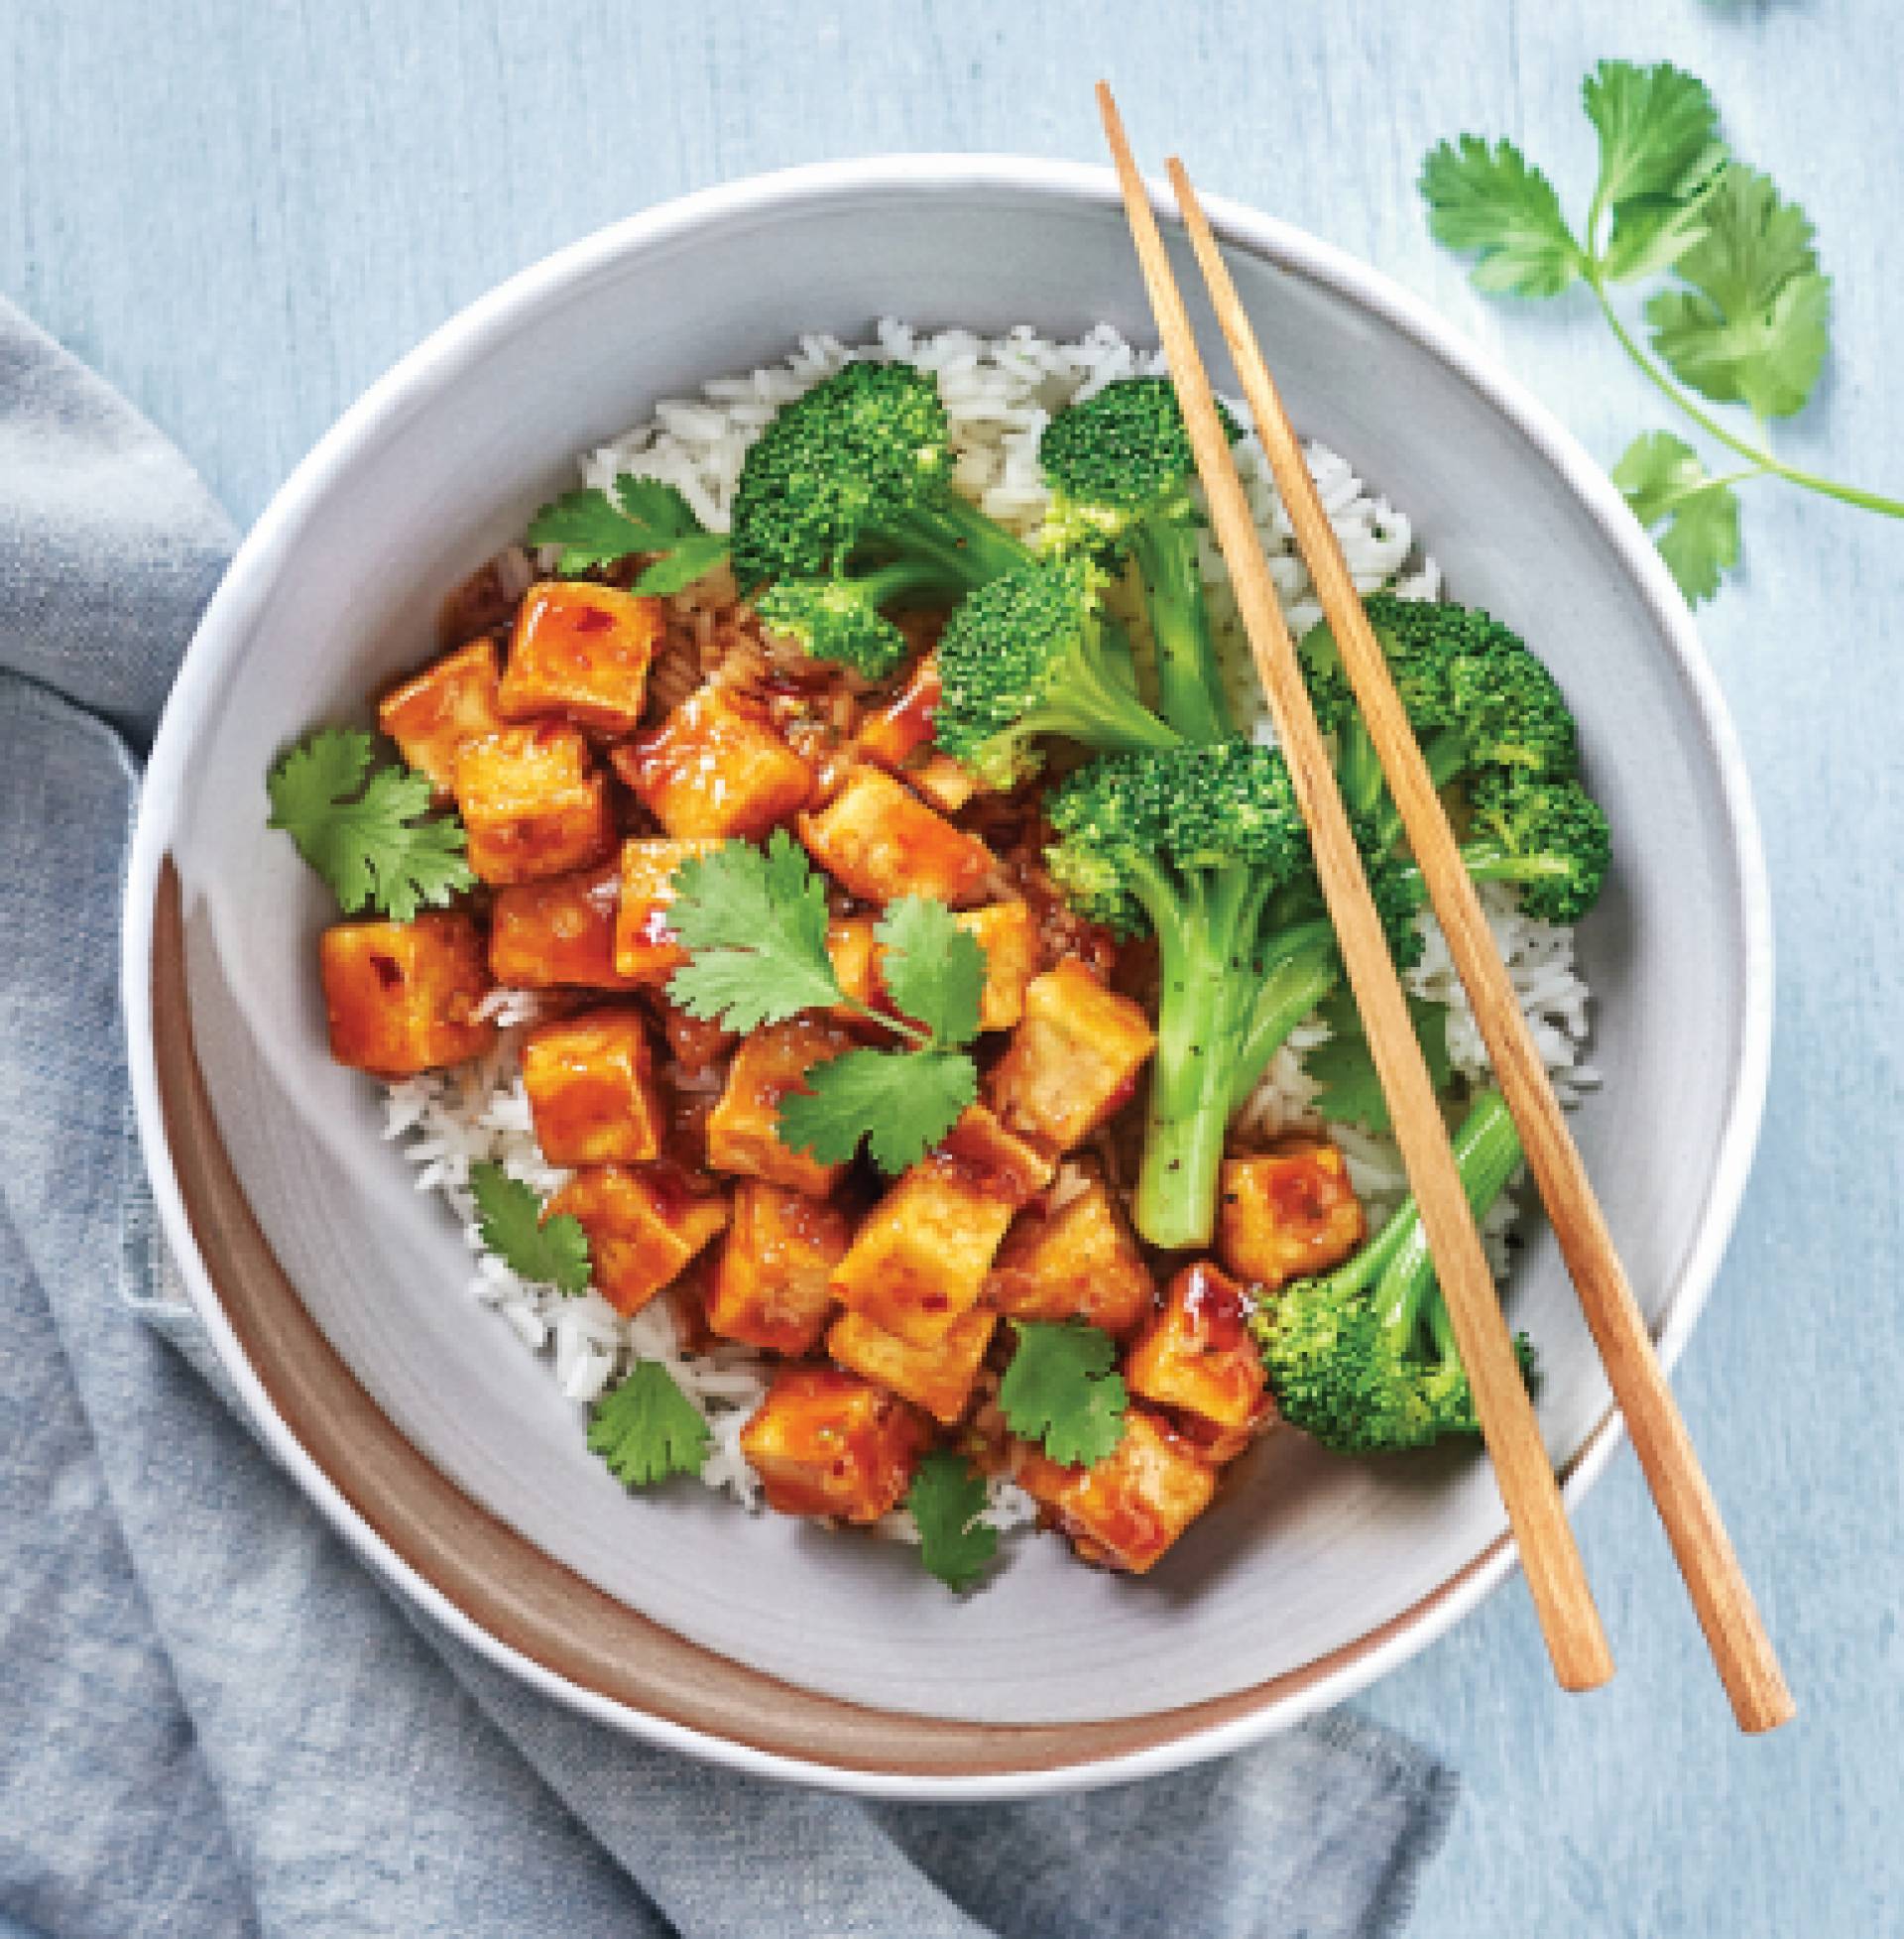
[{"x": 1556, "y": 1576}]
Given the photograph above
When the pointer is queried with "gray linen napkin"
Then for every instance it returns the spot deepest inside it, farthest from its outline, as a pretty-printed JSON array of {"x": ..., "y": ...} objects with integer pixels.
[{"x": 212, "y": 1721}]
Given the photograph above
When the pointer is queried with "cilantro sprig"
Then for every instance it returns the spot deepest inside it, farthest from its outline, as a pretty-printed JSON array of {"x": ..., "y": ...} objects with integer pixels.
[
  {"x": 1061, "y": 1389},
  {"x": 647, "y": 1429},
  {"x": 753, "y": 922},
  {"x": 508, "y": 1214},
  {"x": 638, "y": 515},
  {"x": 370, "y": 836},
  {"x": 947, "y": 1498},
  {"x": 1742, "y": 316},
  {"x": 1345, "y": 1067}
]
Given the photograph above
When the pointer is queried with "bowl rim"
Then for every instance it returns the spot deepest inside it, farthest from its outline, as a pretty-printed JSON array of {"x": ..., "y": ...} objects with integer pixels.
[{"x": 464, "y": 341}]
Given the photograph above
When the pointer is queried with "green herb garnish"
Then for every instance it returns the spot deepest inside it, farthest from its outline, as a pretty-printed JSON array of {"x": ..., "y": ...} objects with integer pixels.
[
  {"x": 370, "y": 836},
  {"x": 648, "y": 1429},
  {"x": 946, "y": 1499},
  {"x": 639, "y": 514},
  {"x": 1742, "y": 316},
  {"x": 1060, "y": 1389},
  {"x": 508, "y": 1214}
]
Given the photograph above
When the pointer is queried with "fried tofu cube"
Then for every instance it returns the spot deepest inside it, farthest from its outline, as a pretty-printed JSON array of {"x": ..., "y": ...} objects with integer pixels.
[
  {"x": 1196, "y": 1358},
  {"x": 853, "y": 953},
  {"x": 533, "y": 803},
  {"x": 880, "y": 841},
  {"x": 694, "y": 1042},
  {"x": 1005, "y": 932},
  {"x": 1073, "y": 1061},
  {"x": 399, "y": 997},
  {"x": 1009, "y": 935},
  {"x": 919, "y": 1259},
  {"x": 1080, "y": 1262},
  {"x": 898, "y": 736},
  {"x": 939, "y": 1379},
  {"x": 743, "y": 1129},
  {"x": 1286, "y": 1214},
  {"x": 718, "y": 767},
  {"x": 451, "y": 701},
  {"x": 558, "y": 931},
  {"x": 591, "y": 1087},
  {"x": 771, "y": 1286},
  {"x": 643, "y": 1224},
  {"x": 581, "y": 650},
  {"x": 826, "y": 1444},
  {"x": 1127, "y": 1510},
  {"x": 646, "y": 951}
]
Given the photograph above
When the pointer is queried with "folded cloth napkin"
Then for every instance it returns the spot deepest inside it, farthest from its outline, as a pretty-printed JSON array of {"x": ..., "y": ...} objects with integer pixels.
[{"x": 212, "y": 1721}]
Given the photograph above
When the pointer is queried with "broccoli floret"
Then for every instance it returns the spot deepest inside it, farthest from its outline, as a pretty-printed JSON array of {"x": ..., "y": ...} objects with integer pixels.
[
  {"x": 1031, "y": 654},
  {"x": 1192, "y": 843},
  {"x": 840, "y": 619},
  {"x": 1365, "y": 1358},
  {"x": 861, "y": 466},
  {"x": 1548, "y": 837},
  {"x": 1121, "y": 467}
]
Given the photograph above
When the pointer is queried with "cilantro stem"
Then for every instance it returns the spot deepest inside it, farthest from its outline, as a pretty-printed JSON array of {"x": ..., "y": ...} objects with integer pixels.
[
  {"x": 1761, "y": 460},
  {"x": 921, "y": 1039}
]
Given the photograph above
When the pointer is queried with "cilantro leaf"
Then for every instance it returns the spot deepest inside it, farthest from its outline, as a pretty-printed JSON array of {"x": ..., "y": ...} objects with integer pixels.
[
  {"x": 647, "y": 1428},
  {"x": 1659, "y": 146},
  {"x": 755, "y": 922},
  {"x": 1754, "y": 326},
  {"x": 1343, "y": 1065},
  {"x": 508, "y": 1214},
  {"x": 1662, "y": 479},
  {"x": 1494, "y": 203},
  {"x": 934, "y": 970},
  {"x": 1060, "y": 1389},
  {"x": 369, "y": 835},
  {"x": 946, "y": 1499},
  {"x": 641, "y": 515},
  {"x": 901, "y": 1102}
]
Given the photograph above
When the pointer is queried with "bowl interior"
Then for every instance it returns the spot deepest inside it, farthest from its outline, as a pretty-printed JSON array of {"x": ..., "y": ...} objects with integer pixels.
[{"x": 1304, "y": 1554}]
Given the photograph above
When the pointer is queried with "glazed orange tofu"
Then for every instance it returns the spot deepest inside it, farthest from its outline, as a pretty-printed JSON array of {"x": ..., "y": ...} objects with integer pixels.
[
  {"x": 559, "y": 930},
  {"x": 532, "y": 802},
  {"x": 451, "y": 701},
  {"x": 899, "y": 738},
  {"x": 1127, "y": 1510},
  {"x": 770, "y": 1287},
  {"x": 880, "y": 841},
  {"x": 581, "y": 650},
  {"x": 1196, "y": 1358},
  {"x": 919, "y": 1259},
  {"x": 1077, "y": 1262},
  {"x": 939, "y": 1377},
  {"x": 718, "y": 768},
  {"x": 1287, "y": 1213},
  {"x": 398, "y": 996},
  {"x": 1074, "y": 1060},
  {"x": 743, "y": 1128},
  {"x": 694, "y": 1042},
  {"x": 1005, "y": 932},
  {"x": 644, "y": 1223},
  {"x": 646, "y": 951},
  {"x": 826, "y": 1444},
  {"x": 591, "y": 1089}
]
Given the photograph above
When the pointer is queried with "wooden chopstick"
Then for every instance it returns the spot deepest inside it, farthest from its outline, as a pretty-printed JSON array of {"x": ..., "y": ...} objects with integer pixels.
[
  {"x": 1555, "y": 1576},
  {"x": 1734, "y": 1633}
]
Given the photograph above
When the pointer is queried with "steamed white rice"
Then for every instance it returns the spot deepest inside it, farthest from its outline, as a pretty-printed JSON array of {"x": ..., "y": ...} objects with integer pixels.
[{"x": 999, "y": 391}]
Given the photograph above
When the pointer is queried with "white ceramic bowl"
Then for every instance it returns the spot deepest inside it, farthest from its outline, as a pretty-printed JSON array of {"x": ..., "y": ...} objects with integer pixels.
[{"x": 332, "y": 1290}]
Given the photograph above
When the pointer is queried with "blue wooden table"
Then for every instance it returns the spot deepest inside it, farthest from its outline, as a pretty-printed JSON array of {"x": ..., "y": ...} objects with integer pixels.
[{"x": 243, "y": 210}]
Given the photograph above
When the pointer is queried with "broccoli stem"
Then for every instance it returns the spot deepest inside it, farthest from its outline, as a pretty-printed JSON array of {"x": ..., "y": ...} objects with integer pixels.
[
  {"x": 1205, "y": 944},
  {"x": 893, "y": 583},
  {"x": 1302, "y": 968},
  {"x": 969, "y": 549},
  {"x": 1189, "y": 684},
  {"x": 1486, "y": 1154},
  {"x": 1089, "y": 704}
]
